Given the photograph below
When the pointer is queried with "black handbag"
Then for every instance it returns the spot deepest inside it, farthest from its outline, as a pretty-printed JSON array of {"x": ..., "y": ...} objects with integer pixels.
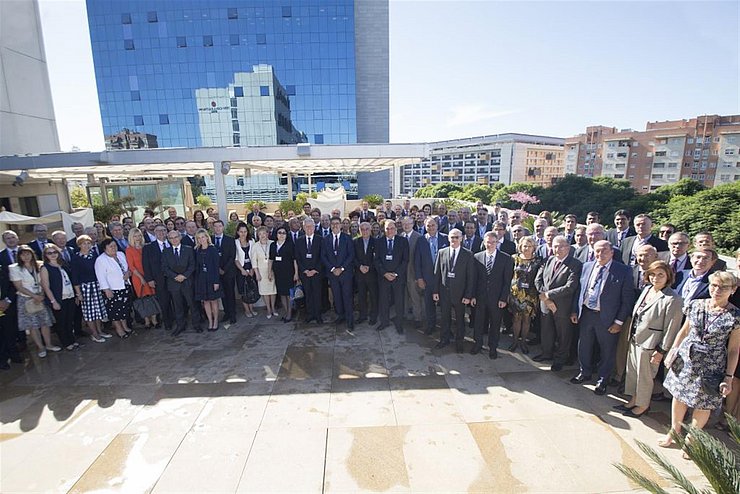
[
  {"x": 147, "y": 306},
  {"x": 710, "y": 384},
  {"x": 250, "y": 293},
  {"x": 677, "y": 365}
]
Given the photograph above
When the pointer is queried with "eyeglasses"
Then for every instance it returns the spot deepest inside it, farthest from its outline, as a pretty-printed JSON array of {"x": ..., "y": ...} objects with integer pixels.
[
  {"x": 281, "y": 233},
  {"x": 452, "y": 237},
  {"x": 720, "y": 288},
  {"x": 666, "y": 232},
  {"x": 676, "y": 244},
  {"x": 52, "y": 253}
]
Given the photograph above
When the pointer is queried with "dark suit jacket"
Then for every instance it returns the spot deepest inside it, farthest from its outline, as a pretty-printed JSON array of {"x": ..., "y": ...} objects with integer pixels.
[
  {"x": 398, "y": 263},
  {"x": 227, "y": 254},
  {"x": 581, "y": 253},
  {"x": 362, "y": 258},
  {"x": 344, "y": 258},
  {"x": 173, "y": 266},
  {"x": 321, "y": 233},
  {"x": 152, "y": 260},
  {"x": 301, "y": 252},
  {"x": 8, "y": 287},
  {"x": 72, "y": 244},
  {"x": 186, "y": 240},
  {"x": 617, "y": 295},
  {"x": 508, "y": 246},
  {"x": 34, "y": 245},
  {"x": 561, "y": 285},
  {"x": 611, "y": 235},
  {"x": 463, "y": 285},
  {"x": 475, "y": 243},
  {"x": 495, "y": 287},
  {"x": 702, "y": 291},
  {"x": 666, "y": 256},
  {"x": 251, "y": 215},
  {"x": 423, "y": 257},
  {"x": 370, "y": 216},
  {"x": 626, "y": 247}
]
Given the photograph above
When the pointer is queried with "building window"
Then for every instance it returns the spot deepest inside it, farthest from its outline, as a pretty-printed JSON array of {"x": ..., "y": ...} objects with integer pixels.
[
  {"x": 690, "y": 140},
  {"x": 164, "y": 119},
  {"x": 234, "y": 113},
  {"x": 264, "y": 90},
  {"x": 125, "y": 18},
  {"x": 182, "y": 42},
  {"x": 261, "y": 39},
  {"x": 729, "y": 152},
  {"x": 232, "y": 13},
  {"x": 138, "y": 120},
  {"x": 208, "y": 40},
  {"x": 287, "y": 12},
  {"x": 238, "y": 92},
  {"x": 233, "y": 39},
  {"x": 318, "y": 139},
  {"x": 235, "y": 125},
  {"x": 290, "y": 89},
  {"x": 236, "y": 139},
  {"x": 128, "y": 44},
  {"x": 151, "y": 16},
  {"x": 233, "y": 101},
  {"x": 135, "y": 96}
]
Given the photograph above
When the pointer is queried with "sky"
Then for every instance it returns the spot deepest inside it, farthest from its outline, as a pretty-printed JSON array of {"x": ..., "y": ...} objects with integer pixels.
[{"x": 469, "y": 68}]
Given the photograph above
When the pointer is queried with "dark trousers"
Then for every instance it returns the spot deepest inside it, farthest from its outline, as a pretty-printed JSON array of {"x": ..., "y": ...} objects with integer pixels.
[
  {"x": 367, "y": 295},
  {"x": 228, "y": 281},
  {"x": 556, "y": 335},
  {"x": 65, "y": 319},
  {"x": 593, "y": 331},
  {"x": 430, "y": 308},
  {"x": 341, "y": 288},
  {"x": 165, "y": 303},
  {"x": 182, "y": 301},
  {"x": 397, "y": 290},
  {"x": 448, "y": 307},
  {"x": 488, "y": 322},
  {"x": 8, "y": 330},
  {"x": 312, "y": 288},
  {"x": 77, "y": 324}
]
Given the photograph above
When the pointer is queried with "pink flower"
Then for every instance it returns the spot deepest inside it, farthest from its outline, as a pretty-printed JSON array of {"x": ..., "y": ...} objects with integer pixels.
[{"x": 523, "y": 198}]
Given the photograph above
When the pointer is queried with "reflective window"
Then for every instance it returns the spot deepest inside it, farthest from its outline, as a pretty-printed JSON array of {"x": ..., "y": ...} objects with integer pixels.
[
  {"x": 182, "y": 42},
  {"x": 318, "y": 139},
  {"x": 128, "y": 44},
  {"x": 261, "y": 39},
  {"x": 232, "y": 13},
  {"x": 287, "y": 12},
  {"x": 138, "y": 120},
  {"x": 207, "y": 40},
  {"x": 233, "y": 39},
  {"x": 238, "y": 92},
  {"x": 125, "y": 18},
  {"x": 164, "y": 119},
  {"x": 151, "y": 16},
  {"x": 264, "y": 90},
  {"x": 135, "y": 96}
]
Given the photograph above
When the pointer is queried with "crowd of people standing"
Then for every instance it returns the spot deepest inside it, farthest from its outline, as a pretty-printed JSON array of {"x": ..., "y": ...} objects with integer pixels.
[{"x": 648, "y": 310}]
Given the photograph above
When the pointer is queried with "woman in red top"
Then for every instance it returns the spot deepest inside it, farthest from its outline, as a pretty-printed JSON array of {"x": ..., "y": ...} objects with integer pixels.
[{"x": 133, "y": 258}]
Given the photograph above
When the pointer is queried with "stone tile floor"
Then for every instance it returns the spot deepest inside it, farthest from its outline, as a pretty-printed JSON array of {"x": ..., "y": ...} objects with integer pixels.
[{"x": 269, "y": 407}]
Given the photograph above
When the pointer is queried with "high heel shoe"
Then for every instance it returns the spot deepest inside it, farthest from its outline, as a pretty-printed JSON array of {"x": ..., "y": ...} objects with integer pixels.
[
  {"x": 523, "y": 346},
  {"x": 512, "y": 347},
  {"x": 666, "y": 442},
  {"x": 630, "y": 413},
  {"x": 287, "y": 320}
]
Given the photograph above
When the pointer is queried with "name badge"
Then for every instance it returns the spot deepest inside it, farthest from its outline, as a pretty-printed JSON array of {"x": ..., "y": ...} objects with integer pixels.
[
  {"x": 309, "y": 256},
  {"x": 67, "y": 282},
  {"x": 278, "y": 258},
  {"x": 450, "y": 275},
  {"x": 205, "y": 269},
  {"x": 700, "y": 348},
  {"x": 524, "y": 285},
  {"x": 389, "y": 257}
]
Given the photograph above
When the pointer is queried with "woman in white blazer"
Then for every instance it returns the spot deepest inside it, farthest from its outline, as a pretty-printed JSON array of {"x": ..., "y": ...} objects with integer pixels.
[{"x": 656, "y": 319}]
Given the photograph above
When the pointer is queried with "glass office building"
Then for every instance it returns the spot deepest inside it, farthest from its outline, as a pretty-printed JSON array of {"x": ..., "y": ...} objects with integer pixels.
[{"x": 192, "y": 73}]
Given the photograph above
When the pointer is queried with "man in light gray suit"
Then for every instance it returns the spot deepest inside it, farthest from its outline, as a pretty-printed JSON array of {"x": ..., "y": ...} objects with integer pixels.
[{"x": 413, "y": 292}]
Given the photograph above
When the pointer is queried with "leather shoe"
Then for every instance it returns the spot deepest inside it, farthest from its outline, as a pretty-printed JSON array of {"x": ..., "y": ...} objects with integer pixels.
[
  {"x": 631, "y": 414},
  {"x": 399, "y": 328},
  {"x": 232, "y": 320},
  {"x": 556, "y": 367},
  {"x": 361, "y": 320},
  {"x": 459, "y": 347},
  {"x": 177, "y": 331},
  {"x": 199, "y": 330},
  {"x": 580, "y": 379},
  {"x": 381, "y": 327},
  {"x": 442, "y": 344},
  {"x": 493, "y": 354},
  {"x": 622, "y": 408},
  {"x": 16, "y": 359},
  {"x": 476, "y": 349},
  {"x": 319, "y": 320},
  {"x": 350, "y": 326},
  {"x": 338, "y": 320},
  {"x": 541, "y": 357},
  {"x": 4, "y": 366},
  {"x": 600, "y": 388},
  {"x": 372, "y": 322}
]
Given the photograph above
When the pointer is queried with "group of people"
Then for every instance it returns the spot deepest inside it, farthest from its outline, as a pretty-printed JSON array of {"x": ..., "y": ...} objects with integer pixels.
[{"x": 638, "y": 307}]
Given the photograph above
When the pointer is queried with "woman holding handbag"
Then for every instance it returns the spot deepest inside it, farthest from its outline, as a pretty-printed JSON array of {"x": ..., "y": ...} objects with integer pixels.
[
  {"x": 34, "y": 316},
  {"x": 245, "y": 282},
  {"x": 60, "y": 294},
  {"x": 704, "y": 356},
  {"x": 141, "y": 287}
]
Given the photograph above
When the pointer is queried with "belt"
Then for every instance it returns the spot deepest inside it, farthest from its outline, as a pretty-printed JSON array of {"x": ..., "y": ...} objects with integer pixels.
[{"x": 585, "y": 307}]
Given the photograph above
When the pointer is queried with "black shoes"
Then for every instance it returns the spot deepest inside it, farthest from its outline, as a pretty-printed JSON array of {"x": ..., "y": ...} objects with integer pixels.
[
  {"x": 622, "y": 408},
  {"x": 459, "y": 347},
  {"x": 16, "y": 359},
  {"x": 580, "y": 379},
  {"x": 441, "y": 344},
  {"x": 476, "y": 349},
  {"x": 631, "y": 414},
  {"x": 361, "y": 320},
  {"x": 556, "y": 367},
  {"x": 541, "y": 358},
  {"x": 600, "y": 388},
  {"x": 493, "y": 354},
  {"x": 381, "y": 327},
  {"x": 338, "y": 320}
]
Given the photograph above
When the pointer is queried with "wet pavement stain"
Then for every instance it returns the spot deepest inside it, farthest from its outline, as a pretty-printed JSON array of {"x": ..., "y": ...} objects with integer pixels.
[
  {"x": 488, "y": 436},
  {"x": 376, "y": 461}
]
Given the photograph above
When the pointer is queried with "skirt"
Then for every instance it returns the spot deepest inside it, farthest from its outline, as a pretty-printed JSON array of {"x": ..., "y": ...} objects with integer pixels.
[
  {"x": 118, "y": 306},
  {"x": 37, "y": 320},
  {"x": 93, "y": 302}
]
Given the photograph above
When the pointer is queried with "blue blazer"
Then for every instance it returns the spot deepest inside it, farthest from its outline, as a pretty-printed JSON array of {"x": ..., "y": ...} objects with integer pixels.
[
  {"x": 617, "y": 296},
  {"x": 423, "y": 262},
  {"x": 344, "y": 258},
  {"x": 702, "y": 291}
]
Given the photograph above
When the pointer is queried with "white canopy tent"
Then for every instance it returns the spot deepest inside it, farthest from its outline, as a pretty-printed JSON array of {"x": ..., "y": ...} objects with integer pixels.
[{"x": 84, "y": 216}]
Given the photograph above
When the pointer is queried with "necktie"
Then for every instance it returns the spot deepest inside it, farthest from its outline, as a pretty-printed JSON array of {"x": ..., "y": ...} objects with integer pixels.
[
  {"x": 590, "y": 255},
  {"x": 434, "y": 247},
  {"x": 65, "y": 255},
  {"x": 452, "y": 260},
  {"x": 309, "y": 243},
  {"x": 594, "y": 292},
  {"x": 336, "y": 244},
  {"x": 390, "y": 246},
  {"x": 14, "y": 256},
  {"x": 489, "y": 264},
  {"x": 674, "y": 265},
  {"x": 161, "y": 247},
  {"x": 557, "y": 266},
  {"x": 218, "y": 243},
  {"x": 177, "y": 253},
  {"x": 468, "y": 243}
]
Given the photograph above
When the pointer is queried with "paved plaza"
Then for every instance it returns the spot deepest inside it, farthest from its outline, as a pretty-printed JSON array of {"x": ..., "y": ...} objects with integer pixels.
[{"x": 270, "y": 407}]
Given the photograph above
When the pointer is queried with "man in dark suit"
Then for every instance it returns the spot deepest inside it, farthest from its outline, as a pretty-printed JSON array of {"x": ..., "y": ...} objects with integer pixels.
[
  {"x": 366, "y": 214},
  {"x": 495, "y": 269},
  {"x": 594, "y": 233},
  {"x": 616, "y": 236},
  {"x": 482, "y": 223},
  {"x": 191, "y": 228},
  {"x": 502, "y": 243},
  {"x": 544, "y": 251},
  {"x": 365, "y": 274},
  {"x": 414, "y": 295},
  {"x": 338, "y": 256},
  {"x": 179, "y": 267},
  {"x": 116, "y": 232},
  {"x": 454, "y": 286},
  {"x": 453, "y": 221},
  {"x": 226, "y": 247},
  {"x": 569, "y": 228},
  {"x": 557, "y": 282},
  {"x": 59, "y": 238},
  {"x": 78, "y": 229},
  {"x": 37, "y": 245},
  {"x": 643, "y": 227},
  {"x": 677, "y": 255},
  {"x": 9, "y": 334},
  {"x": 255, "y": 211},
  {"x": 308, "y": 257},
  {"x": 471, "y": 240},
  {"x": 152, "y": 256},
  {"x": 424, "y": 259},
  {"x": 694, "y": 283},
  {"x": 703, "y": 241},
  {"x": 148, "y": 230},
  {"x": 391, "y": 263},
  {"x": 601, "y": 307}
]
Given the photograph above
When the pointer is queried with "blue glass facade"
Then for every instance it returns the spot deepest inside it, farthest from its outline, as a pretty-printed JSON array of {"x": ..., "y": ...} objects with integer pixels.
[{"x": 151, "y": 56}]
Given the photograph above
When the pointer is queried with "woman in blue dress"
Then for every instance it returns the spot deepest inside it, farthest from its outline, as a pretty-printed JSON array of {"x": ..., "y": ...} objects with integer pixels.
[{"x": 207, "y": 280}]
